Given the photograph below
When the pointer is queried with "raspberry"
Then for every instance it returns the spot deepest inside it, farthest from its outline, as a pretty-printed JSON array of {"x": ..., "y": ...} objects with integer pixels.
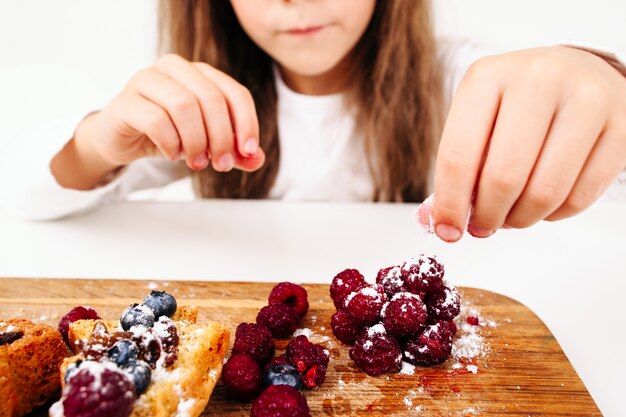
[
  {"x": 432, "y": 346},
  {"x": 345, "y": 328},
  {"x": 364, "y": 305},
  {"x": 242, "y": 376},
  {"x": 310, "y": 359},
  {"x": 280, "y": 401},
  {"x": 423, "y": 274},
  {"x": 281, "y": 319},
  {"x": 404, "y": 315},
  {"x": 391, "y": 280},
  {"x": 291, "y": 294},
  {"x": 98, "y": 390},
  {"x": 256, "y": 340},
  {"x": 376, "y": 352},
  {"x": 77, "y": 313},
  {"x": 444, "y": 304},
  {"x": 345, "y": 283},
  {"x": 473, "y": 320}
]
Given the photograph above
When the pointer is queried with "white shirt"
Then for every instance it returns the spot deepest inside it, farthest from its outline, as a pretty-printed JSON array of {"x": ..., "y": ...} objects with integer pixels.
[{"x": 322, "y": 155}]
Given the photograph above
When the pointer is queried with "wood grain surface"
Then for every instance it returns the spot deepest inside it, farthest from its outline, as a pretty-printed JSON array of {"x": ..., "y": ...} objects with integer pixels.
[{"x": 521, "y": 372}]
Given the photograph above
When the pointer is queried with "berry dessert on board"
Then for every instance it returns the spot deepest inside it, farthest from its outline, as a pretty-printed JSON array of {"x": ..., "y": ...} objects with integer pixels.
[
  {"x": 503, "y": 361},
  {"x": 155, "y": 361},
  {"x": 30, "y": 357},
  {"x": 274, "y": 382}
]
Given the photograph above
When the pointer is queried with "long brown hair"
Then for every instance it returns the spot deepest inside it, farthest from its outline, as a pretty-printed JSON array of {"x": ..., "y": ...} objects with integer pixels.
[{"x": 396, "y": 88}]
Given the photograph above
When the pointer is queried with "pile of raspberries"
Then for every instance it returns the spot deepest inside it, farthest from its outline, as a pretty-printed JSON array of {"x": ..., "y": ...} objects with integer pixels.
[
  {"x": 408, "y": 314},
  {"x": 251, "y": 370}
]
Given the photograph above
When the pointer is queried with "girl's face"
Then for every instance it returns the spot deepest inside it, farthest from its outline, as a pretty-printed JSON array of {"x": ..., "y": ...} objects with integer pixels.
[{"x": 305, "y": 37}]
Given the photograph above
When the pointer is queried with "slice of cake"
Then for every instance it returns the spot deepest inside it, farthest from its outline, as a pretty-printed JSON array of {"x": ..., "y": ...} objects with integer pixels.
[
  {"x": 30, "y": 357},
  {"x": 153, "y": 362}
]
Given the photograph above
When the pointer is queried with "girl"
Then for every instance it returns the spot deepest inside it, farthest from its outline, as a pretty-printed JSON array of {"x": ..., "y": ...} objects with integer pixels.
[{"x": 330, "y": 100}]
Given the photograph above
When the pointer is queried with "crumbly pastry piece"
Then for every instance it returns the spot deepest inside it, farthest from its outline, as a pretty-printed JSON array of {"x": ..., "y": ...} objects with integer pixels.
[
  {"x": 180, "y": 389},
  {"x": 30, "y": 357}
]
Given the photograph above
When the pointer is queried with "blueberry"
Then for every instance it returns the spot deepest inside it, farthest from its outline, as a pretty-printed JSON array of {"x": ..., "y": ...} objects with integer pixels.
[
  {"x": 282, "y": 374},
  {"x": 141, "y": 373},
  {"x": 71, "y": 370},
  {"x": 122, "y": 352},
  {"x": 137, "y": 315},
  {"x": 161, "y": 303}
]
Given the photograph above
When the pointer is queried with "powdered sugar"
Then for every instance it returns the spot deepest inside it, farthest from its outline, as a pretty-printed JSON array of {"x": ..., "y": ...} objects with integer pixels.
[
  {"x": 303, "y": 332},
  {"x": 184, "y": 407},
  {"x": 312, "y": 336},
  {"x": 407, "y": 369},
  {"x": 213, "y": 374},
  {"x": 376, "y": 329}
]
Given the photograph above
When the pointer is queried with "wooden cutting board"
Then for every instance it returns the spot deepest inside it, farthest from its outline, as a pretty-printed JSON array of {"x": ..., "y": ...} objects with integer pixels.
[{"x": 520, "y": 370}]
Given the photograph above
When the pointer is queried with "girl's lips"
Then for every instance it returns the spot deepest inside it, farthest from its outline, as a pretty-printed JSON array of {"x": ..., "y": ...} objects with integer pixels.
[{"x": 309, "y": 30}]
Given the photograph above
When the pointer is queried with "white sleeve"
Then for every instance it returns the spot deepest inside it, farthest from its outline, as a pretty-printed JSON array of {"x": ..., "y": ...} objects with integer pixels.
[{"x": 27, "y": 187}]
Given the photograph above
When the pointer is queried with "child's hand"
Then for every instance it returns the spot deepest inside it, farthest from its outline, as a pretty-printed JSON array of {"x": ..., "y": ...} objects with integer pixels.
[
  {"x": 180, "y": 109},
  {"x": 531, "y": 135}
]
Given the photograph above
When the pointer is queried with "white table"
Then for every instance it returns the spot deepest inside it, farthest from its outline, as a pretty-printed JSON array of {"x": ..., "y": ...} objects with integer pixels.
[{"x": 571, "y": 273}]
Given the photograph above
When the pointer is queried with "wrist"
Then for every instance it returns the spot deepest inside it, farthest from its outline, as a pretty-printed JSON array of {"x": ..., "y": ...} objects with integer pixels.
[
  {"x": 79, "y": 165},
  {"x": 84, "y": 143}
]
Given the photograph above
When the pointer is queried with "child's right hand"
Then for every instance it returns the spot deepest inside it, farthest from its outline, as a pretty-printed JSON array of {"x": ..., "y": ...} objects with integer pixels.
[{"x": 182, "y": 110}]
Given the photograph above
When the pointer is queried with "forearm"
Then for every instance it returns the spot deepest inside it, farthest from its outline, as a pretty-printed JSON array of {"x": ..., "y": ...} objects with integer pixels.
[{"x": 79, "y": 165}]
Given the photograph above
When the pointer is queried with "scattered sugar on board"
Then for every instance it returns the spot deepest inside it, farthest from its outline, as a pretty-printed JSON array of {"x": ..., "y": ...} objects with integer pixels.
[
  {"x": 407, "y": 368},
  {"x": 312, "y": 336}
]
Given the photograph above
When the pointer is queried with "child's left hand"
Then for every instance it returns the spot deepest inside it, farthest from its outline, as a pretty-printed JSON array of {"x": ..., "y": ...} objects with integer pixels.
[{"x": 532, "y": 135}]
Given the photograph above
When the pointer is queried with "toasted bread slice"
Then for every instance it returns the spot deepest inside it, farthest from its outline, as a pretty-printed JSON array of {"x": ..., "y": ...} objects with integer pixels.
[
  {"x": 29, "y": 365},
  {"x": 186, "y": 386}
]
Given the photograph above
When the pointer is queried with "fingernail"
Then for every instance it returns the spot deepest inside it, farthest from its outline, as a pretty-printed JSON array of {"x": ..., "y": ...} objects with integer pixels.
[
  {"x": 250, "y": 147},
  {"x": 200, "y": 161},
  {"x": 478, "y": 232},
  {"x": 226, "y": 162},
  {"x": 447, "y": 232}
]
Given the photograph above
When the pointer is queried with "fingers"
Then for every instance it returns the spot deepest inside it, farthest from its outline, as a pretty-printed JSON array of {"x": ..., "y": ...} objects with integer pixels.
[
  {"x": 214, "y": 115},
  {"x": 241, "y": 108},
  {"x": 183, "y": 109},
  {"x": 154, "y": 122},
  {"x": 465, "y": 136},
  {"x": 601, "y": 168},
  {"x": 569, "y": 142},
  {"x": 522, "y": 125}
]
